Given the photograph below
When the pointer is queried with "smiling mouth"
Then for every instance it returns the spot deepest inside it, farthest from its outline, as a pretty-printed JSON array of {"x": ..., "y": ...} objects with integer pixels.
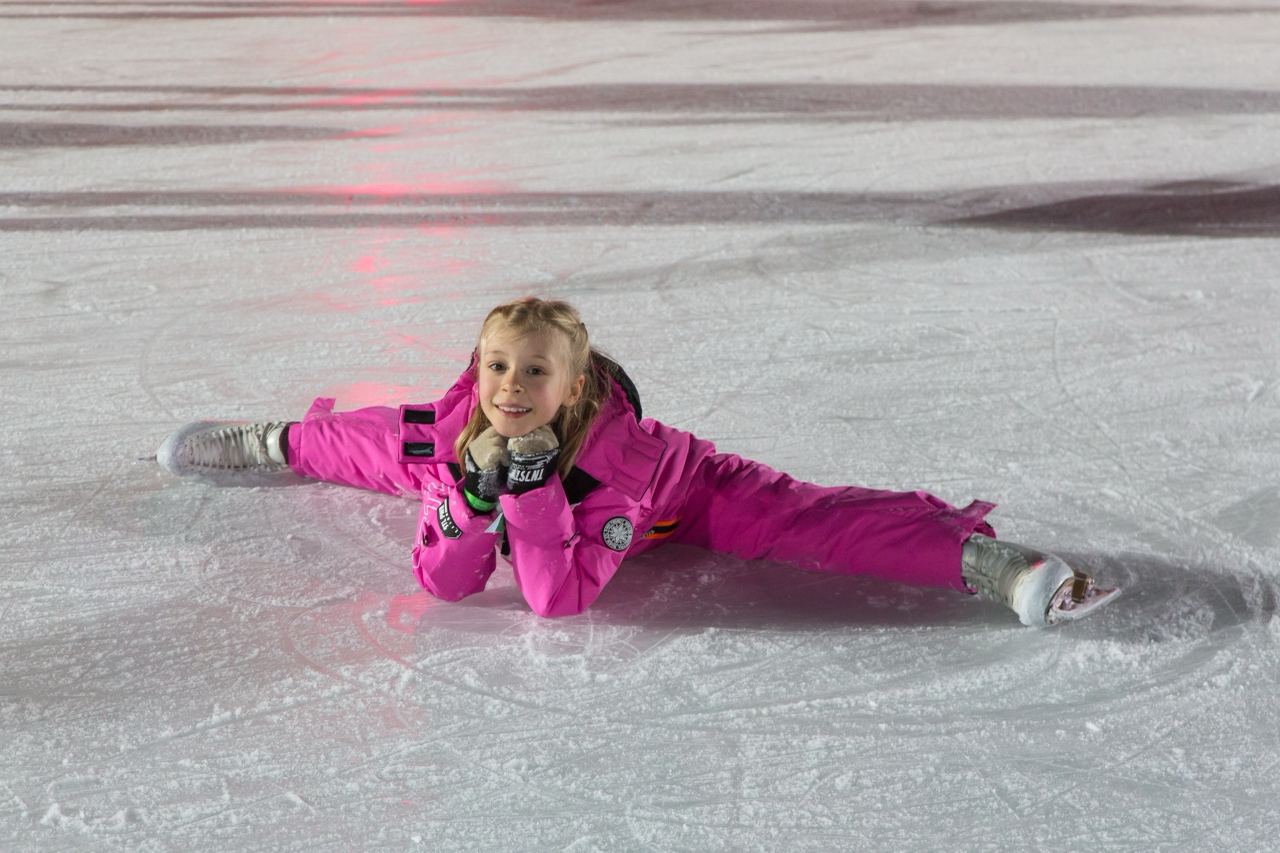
[{"x": 514, "y": 411}]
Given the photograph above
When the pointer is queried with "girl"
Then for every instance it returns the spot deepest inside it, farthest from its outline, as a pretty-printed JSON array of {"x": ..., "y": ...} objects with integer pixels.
[{"x": 539, "y": 450}]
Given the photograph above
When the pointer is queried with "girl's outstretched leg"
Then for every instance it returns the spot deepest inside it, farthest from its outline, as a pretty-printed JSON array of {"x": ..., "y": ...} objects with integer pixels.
[
  {"x": 743, "y": 508},
  {"x": 747, "y": 509}
]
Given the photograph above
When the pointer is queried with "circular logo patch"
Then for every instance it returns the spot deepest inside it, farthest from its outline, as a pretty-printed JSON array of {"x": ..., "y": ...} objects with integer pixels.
[{"x": 617, "y": 533}]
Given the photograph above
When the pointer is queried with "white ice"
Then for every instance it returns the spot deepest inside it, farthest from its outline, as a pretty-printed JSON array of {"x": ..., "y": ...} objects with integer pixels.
[{"x": 1017, "y": 250}]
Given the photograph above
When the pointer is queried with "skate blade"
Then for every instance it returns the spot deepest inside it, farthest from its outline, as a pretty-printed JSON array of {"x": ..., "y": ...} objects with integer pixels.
[{"x": 1078, "y": 600}]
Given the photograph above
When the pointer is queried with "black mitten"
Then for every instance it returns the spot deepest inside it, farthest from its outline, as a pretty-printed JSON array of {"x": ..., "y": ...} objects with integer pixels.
[{"x": 533, "y": 459}]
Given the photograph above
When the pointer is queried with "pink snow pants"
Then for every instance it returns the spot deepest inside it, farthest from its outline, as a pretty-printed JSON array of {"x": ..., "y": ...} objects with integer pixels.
[{"x": 728, "y": 505}]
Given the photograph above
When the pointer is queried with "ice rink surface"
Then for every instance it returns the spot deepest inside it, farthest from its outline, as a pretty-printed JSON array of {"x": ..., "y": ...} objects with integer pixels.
[{"x": 1017, "y": 251}]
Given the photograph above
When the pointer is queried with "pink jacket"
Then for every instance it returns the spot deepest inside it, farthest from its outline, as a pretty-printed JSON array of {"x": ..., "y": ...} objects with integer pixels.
[{"x": 566, "y": 539}]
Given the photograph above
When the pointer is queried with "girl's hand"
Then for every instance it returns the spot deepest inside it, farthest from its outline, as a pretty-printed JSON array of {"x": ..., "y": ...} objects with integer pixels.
[
  {"x": 533, "y": 459},
  {"x": 484, "y": 461}
]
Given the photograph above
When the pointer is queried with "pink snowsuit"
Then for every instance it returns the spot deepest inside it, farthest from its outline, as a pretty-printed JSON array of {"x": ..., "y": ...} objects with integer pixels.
[{"x": 634, "y": 486}]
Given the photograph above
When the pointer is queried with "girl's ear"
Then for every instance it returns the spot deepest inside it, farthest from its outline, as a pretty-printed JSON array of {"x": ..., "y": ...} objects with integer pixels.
[{"x": 575, "y": 390}]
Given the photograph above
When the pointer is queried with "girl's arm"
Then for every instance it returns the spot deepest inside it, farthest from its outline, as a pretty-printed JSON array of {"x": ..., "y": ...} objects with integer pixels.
[
  {"x": 453, "y": 555},
  {"x": 564, "y": 556}
]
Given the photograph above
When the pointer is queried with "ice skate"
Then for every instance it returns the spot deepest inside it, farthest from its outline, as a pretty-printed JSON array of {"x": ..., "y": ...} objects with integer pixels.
[
  {"x": 214, "y": 448},
  {"x": 1041, "y": 588}
]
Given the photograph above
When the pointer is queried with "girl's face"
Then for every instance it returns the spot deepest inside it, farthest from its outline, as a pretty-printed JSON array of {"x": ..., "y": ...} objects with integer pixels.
[{"x": 523, "y": 381}]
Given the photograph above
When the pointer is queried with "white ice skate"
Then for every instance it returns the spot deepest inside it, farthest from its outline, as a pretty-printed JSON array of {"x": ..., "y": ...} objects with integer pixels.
[
  {"x": 214, "y": 448},
  {"x": 1041, "y": 588}
]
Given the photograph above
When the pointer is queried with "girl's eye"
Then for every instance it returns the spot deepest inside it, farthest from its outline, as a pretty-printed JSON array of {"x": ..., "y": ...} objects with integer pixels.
[
  {"x": 495, "y": 366},
  {"x": 536, "y": 371}
]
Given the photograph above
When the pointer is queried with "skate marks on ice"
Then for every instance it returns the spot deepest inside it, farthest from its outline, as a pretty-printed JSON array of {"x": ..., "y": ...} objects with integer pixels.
[
  {"x": 311, "y": 546},
  {"x": 147, "y": 720},
  {"x": 677, "y": 617},
  {"x": 800, "y": 15},
  {"x": 22, "y": 135},
  {"x": 1170, "y": 602},
  {"x": 1200, "y": 209},
  {"x": 1205, "y": 208},
  {"x": 183, "y": 714},
  {"x": 344, "y": 541},
  {"x": 626, "y": 104},
  {"x": 697, "y": 690},
  {"x": 839, "y": 681}
]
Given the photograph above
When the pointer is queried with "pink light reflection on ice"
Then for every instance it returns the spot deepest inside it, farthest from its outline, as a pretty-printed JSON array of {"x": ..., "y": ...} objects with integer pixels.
[
  {"x": 423, "y": 192},
  {"x": 406, "y": 611},
  {"x": 366, "y": 263},
  {"x": 430, "y": 265},
  {"x": 357, "y": 395},
  {"x": 364, "y": 99}
]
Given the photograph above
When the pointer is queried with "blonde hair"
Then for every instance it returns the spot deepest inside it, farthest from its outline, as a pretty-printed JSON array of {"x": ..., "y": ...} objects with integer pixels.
[{"x": 533, "y": 316}]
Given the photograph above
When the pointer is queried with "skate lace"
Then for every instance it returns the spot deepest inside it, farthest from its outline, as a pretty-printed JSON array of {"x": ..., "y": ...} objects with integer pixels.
[{"x": 233, "y": 447}]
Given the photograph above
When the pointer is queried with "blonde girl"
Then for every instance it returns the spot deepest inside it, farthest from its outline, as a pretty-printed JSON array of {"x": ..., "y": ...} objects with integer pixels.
[{"x": 540, "y": 451}]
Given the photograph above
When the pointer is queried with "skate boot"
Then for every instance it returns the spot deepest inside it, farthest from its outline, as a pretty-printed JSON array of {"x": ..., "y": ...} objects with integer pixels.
[
  {"x": 1041, "y": 588},
  {"x": 214, "y": 448}
]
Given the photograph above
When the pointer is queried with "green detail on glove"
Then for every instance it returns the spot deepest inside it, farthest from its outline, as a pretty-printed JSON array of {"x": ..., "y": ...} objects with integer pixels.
[{"x": 478, "y": 504}]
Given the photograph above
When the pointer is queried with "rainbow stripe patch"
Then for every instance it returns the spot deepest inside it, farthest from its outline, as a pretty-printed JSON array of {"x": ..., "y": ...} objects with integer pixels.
[{"x": 662, "y": 529}]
